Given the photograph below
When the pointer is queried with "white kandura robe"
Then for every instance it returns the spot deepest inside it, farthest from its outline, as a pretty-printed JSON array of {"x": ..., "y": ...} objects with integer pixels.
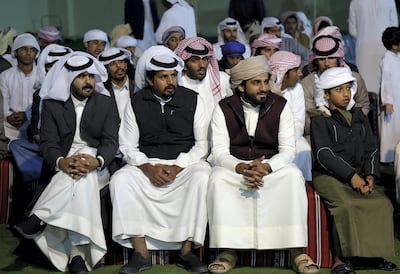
[
  {"x": 273, "y": 217},
  {"x": 390, "y": 93},
  {"x": 168, "y": 215},
  {"x": 367, "y": 21},
  {"x": 295, "y": 99},
  {"x": 71, "y": 209},
  {"x": 122, "y": 97},
  {"x": 17, "y": 92}
]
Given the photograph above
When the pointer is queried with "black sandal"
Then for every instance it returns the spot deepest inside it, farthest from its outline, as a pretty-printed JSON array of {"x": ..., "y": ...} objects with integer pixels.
[
  {"x": 191, "y": 263},
  {"x": 343, "y": 269},
  {"x": 387, "y": 266},
  {"x": 136, "y": 264}
]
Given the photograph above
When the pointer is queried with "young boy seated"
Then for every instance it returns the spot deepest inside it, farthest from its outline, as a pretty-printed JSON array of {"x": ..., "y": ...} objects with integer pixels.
[{"x": 345, "y": 172}]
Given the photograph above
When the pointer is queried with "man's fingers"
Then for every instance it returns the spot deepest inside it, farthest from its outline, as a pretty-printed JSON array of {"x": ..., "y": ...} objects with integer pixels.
[{"x": 254, "y": 172}]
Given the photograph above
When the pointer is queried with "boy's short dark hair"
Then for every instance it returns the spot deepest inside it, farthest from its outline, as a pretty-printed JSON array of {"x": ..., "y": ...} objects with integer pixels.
[{"x": 390, "y": 37}]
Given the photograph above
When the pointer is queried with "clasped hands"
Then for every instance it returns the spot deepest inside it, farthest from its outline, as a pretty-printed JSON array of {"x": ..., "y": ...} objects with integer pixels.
[
  {"x": 361, "y": 185},
  {"x": 160, "y": 174},
  {"x": 79, "y": 165},
  {"x": 254, "y": 172},
  {"x": 16, "y": 119}
]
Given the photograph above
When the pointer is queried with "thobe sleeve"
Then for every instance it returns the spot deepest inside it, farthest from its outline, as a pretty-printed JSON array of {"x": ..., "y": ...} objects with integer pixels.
[
  {"x": 286, "y": 141},
  {"x": 200, "y": 130},
  {"x": 388, "y": 85},
  {"x": 220, "y": 141},
  {"x": 226, "y": 90},
  {"x": 5, "y": 94},
  {"x": 129, "y": 139}
]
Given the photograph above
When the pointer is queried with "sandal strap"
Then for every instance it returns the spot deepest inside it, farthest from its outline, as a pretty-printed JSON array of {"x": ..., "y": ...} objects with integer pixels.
[
  {"x": 342, "y": 269},
  {"x": 228, "y": 257}
]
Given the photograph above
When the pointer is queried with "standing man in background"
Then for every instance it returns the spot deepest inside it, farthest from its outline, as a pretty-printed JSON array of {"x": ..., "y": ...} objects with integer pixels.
[
  {"x": 179, "y": 13},
  {"x": 143, "y": 18},
  {"x": 367, "y": 21}
]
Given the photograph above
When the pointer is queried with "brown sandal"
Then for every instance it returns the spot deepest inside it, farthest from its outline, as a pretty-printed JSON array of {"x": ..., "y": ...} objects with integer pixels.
[
  {"x": 224, "y": 259},
  {"x": 302, "y": 265}
]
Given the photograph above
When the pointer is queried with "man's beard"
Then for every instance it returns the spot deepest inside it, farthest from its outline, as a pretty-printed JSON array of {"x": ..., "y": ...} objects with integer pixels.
[
  {"x": 167, "y": 95},
  {"x": 252, "y": 99}
]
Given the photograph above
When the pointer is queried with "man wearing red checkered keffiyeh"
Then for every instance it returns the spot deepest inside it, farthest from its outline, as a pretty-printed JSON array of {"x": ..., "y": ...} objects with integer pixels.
[
  {"x": 286, "y": 67},
  {"x": 328, "y": 52},
  {"x": 201, "y": 72},
  {"x": 266, "y": 44}
]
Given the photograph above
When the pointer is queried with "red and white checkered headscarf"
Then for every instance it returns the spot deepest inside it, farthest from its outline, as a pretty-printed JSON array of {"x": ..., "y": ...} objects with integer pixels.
[
  {"x": 330, "y": 30},
  {"x": 265, "y": 40},
  {"x": 327, "y": 43},
  {"x": 200, "y": 47},
  {"x": 282, "y": 61}
]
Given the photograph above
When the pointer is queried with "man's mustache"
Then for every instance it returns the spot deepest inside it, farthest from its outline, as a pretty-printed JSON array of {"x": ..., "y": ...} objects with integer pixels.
[{"x": 88, "y": 86}]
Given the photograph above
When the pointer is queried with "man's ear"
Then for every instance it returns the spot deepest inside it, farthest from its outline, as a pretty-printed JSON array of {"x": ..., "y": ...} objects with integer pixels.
[
  {"x": 241, "y": 88},
  {"x": 149, "y": 81},
  {"x": 86, "y": 45},
  {"x": 326, "y": 95}
]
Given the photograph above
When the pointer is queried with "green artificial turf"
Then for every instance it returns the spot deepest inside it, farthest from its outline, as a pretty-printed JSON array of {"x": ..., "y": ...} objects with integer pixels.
[{"x": 10, "y": 263}]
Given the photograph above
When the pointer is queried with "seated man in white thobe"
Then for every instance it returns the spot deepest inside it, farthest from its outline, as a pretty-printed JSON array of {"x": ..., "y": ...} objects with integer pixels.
[
  {"x": 79, "y": 139},
  {"x": 17, "y": 87},
  {"x": 26, "y": 152},
  {"x": 256, "y": 197},
  {"x": 201, "y": 72},
  {"x": 286, "y": 67},
  {"x": 119, "y": 84},
  {"x": 328, "y": 52},
  {"x": 159, "y": 196}
]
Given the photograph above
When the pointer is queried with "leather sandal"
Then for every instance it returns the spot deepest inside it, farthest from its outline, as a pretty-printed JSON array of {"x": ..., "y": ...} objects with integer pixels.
[
  {"x": 302, "y": 264},
  {"x": 224, "y": 259}
]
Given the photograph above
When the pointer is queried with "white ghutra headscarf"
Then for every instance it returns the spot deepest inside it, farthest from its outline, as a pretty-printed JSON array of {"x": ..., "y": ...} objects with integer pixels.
[{"x": 57, "y": 82}]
